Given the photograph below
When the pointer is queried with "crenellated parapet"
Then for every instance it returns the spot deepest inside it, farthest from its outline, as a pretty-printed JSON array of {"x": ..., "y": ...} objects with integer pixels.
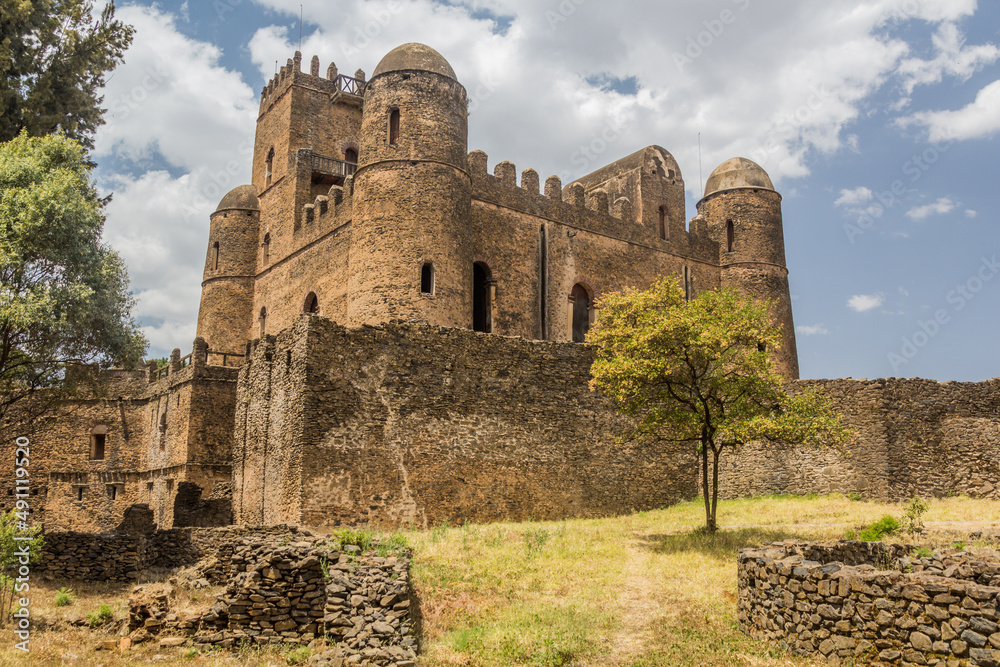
[
  {"x": 334, "y": 83},
  {"x": 326, "y": 213}
]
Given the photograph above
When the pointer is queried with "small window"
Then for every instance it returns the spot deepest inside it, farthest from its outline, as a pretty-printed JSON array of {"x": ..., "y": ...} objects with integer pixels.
[
  {"x": 663, "y": 222},
  {"x": 215, "y": 256},
  {"x": 98, "y": 438},
  {"x": 262, "y": 320},
  {"x": 730, "y": 236},
  {"x": 149, "y": 489},
  {"x": 581, "y": 313},
  {"x": 311, "y": 304},
  {"x": 79, "y": 492},
  {"x": 394, "y": 126},
  {"x": 269, "y": 168},
  {"x": 427, "y": 278},
  {"x": 266, "y": 249},
  {"x": 113, "y": 491},
  {"x": 482, "y": 298}
]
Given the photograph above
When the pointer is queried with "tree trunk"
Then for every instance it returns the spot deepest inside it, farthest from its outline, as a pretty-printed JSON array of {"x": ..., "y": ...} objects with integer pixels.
[
  {"x": 709, "y": 507},
  {"x": 715, "y": 485}
]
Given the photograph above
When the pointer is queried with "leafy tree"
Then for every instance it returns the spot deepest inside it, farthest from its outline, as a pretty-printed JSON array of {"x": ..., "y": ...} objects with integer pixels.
[
  {"x": 64, "y": 295},
  {"x": 19, "y": 546},
  {"x": 699, "y": 371},
  {"x": 53, "y": 60}
]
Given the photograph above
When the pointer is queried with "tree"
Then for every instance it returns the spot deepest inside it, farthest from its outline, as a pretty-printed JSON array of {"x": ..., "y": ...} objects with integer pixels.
[
  {"x": 19, "y": 546},
  {"x": 700, "y": 371},
  {"x": 64, "y": 295},
  {"x": 53, "y": 60}
]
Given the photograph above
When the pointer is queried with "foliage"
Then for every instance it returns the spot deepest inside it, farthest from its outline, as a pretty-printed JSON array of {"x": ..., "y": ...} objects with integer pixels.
[
  {"x": 298, "y": 656},
  {"x": 391, "y": 545},
  {"x": 887, "y": 525},
  {"x": 64, "y": 295},
  {"x": 913, "y": 511},
  {"x": 700, "y": 371},
  {"x": 54, "y": 57},
  {"x": 923, "y": 552},
  {"x": 101, "y": 615},
  {"x": 856, "y": 497},
  {"x": 359, "y": 537},
  {"x": 64, "y": 597},
  {"x": 13, "y": 545}
]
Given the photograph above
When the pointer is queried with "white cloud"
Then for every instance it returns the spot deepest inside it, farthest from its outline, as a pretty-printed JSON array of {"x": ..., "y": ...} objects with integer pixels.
[
  {"x": 977, "y": 120},
  {"x": 854, "y": 197},
  {"x": 812, "y": 330},
  {"x": 940, "y": 207},
  {"x": 952, "y": 59},
  {"x": 969, "y": 213},
  {"x": 861, "y": 303}
]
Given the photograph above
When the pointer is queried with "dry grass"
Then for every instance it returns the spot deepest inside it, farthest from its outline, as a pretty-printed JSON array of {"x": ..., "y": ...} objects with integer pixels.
[{"x": 638, "y": 591}]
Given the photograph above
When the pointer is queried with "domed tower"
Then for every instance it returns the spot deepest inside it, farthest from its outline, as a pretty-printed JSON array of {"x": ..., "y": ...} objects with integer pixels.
[
  {"x": 743, "y": 212},
  {"x": 411, "y": 254},
  {"x": 227, "y": 288}
]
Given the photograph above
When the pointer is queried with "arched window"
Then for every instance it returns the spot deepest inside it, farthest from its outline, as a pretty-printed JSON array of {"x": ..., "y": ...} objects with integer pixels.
[
  {"x": 482, "y": 298},
  {"x": 663, "y": 222},
  {"x": 394, "y": 126},
  {"x": 351, "y": 158},
  {"x": 730, "y": 236},
  {"x": 269, "y": 168},
  {"x": 266, "y": 249},
  {"x": 262, "y": 320},
  {"x": 311, "y": 304},
  {"x": 581, "y": 312},
  {"x": 427, "y": 278},
  {"x": 215, "y": 256},
  {"x": 98, "y": 437}
]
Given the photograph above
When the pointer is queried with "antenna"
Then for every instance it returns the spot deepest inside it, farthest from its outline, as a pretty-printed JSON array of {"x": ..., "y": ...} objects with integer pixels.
[
  {"x": 301, "y": 13},
  {"x": 701, "y": 180}
]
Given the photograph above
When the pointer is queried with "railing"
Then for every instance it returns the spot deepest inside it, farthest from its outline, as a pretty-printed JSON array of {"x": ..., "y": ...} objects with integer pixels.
[
  {"x": 349, "y": 84},
  {"x": 332, "y": 166},
  {"x": 226, "y": 357}
]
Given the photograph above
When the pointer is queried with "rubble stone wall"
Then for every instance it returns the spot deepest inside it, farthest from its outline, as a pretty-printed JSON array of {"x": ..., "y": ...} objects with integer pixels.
[{"x": 830, "y": 601}]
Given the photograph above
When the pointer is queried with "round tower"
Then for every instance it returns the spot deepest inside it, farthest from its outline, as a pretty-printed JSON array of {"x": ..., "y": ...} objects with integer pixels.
[
  {"x": 411, "y": 255},
  {"x": 228, "y": 284},
  {"x": 743, "y": 212}
]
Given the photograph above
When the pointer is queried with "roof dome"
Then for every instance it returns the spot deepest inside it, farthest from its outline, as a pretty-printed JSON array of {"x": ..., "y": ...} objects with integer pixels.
[
  {"x": 415, "y": 56},
  {"x": 243, "y": 197},
  {"x": 738, "y": 172}
]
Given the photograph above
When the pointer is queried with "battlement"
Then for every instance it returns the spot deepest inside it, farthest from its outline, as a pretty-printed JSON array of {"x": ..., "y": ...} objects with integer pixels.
[
  {"x": 199, "y": 362},
  {"x": 335, "y": 84},
  {"x": 326, "y": 212}
]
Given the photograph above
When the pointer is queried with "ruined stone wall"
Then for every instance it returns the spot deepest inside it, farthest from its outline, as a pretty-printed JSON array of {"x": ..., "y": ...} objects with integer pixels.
[
  {"x": 849, "y": 603},
  {"x": 414, "y": 424},
  {"x": 913, "y": 436}
]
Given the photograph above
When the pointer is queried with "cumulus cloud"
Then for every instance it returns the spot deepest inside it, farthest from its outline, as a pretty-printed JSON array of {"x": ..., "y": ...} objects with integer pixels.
[
  {"x": 977, "y": 120},
  {"x": 854, "y": 197},
  {"x": 812, "y": 330},
  {"x": 952, "y": 58},
  {"x": 861, "y": 303},
  {"x": 969, "y": 213},
  {"x": 940, "y": 207}
]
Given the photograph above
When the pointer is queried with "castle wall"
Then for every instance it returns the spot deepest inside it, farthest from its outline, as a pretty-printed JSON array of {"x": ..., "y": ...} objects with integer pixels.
[
  {"x": 408, "y": 423},
  {"x": 913, "y": 436}
]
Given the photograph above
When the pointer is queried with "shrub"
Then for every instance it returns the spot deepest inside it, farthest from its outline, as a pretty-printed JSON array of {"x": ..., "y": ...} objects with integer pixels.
[
  {"x": 912, "y": 513},
  {"x": 298, "y": 656},
  {"x": 64, "y": 597},
  {"x": 887, "y": 525},
  {"x": 102, "y": 615}
]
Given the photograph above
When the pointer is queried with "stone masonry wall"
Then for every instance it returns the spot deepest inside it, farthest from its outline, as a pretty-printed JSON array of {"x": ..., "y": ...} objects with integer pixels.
[
  {"x": 829, "y": 601},
  {"x": 913, "y": 436},
  {"x": 406, "y": 423}
]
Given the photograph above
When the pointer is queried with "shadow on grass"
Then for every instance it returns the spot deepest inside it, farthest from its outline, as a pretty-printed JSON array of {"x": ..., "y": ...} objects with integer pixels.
[{"x": 722, "y": 544}]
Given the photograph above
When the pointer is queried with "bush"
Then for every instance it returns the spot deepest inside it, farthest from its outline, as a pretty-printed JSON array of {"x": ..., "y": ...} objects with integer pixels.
[
  {"x": 64, "y": 597},
  {"x": 298, "y": 656},
  {"x": 102, "y": 615},
  {"x": 887, "y": 525},
  {"x": 912, "y": 513}
]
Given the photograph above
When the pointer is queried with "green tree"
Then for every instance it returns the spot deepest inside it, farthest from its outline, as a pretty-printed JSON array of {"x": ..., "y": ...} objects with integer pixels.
[
  {"x": 53, "y": 60},
  {"x": 699, "y": 371},
  {"x": 64, "y": 295},
  {"x": 19, "y": 546}
]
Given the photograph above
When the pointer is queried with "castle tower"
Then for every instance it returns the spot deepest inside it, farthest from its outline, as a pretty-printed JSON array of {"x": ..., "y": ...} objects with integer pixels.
[
  {"x": 743, "y": 212},
  {"x": 228, "y": 284},
  {"x": 411, "y": 255}
]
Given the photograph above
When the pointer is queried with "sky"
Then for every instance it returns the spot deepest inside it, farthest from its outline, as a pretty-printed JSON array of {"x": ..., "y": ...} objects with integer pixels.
[{"x": 877, "y": 120}]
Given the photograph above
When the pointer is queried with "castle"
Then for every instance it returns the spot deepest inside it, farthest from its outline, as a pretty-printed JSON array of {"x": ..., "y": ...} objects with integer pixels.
[{"x": 388, "y": 333}]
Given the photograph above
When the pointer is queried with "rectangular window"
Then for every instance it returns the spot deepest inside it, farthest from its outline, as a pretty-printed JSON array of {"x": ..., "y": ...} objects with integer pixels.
[
  {"x": 113, "y": 491},
  {"x": 427, "y": 278},
  {"x": 79, "y": 492},
  {"x": 394, "y": 126},
  {"x": 97, "y": 441}
]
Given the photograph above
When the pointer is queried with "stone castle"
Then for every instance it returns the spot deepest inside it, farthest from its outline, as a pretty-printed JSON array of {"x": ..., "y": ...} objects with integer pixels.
[{"x": 389, "y": 334}]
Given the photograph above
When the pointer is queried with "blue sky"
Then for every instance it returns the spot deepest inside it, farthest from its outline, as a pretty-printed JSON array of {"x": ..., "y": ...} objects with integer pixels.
[{"x": 878, "y": 121}]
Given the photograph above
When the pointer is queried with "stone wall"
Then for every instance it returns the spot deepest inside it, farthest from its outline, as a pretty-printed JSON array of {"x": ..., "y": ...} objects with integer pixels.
[
  {"x": 407, "y": 423},
  {"x": 830, "y": 601},
  {"x": 913, "y": 436}
]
